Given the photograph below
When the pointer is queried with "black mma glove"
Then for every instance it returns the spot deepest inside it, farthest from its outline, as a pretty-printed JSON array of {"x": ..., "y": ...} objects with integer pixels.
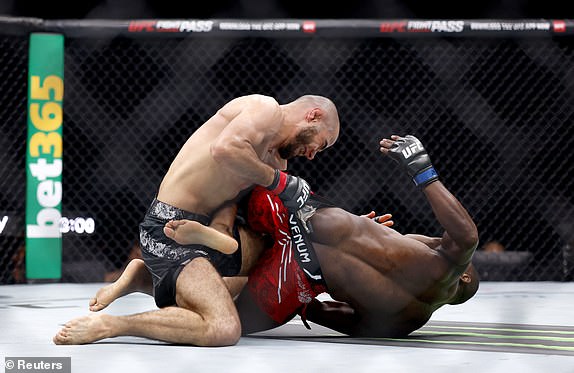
[
  {"x": 409, "y": 152},
  {"x": 293, "y": 190}
]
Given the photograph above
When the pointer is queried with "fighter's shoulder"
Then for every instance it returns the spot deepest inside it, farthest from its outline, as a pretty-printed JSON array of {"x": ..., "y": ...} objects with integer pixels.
[
  {"x": 333, "y": 224},
  {"x": 257, "y": 102},
  {"x": 254, "y": 110}
]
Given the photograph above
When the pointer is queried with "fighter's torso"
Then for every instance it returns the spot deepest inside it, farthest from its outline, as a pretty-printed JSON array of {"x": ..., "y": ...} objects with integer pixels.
[
  {"x": 393, "y": 282},
  {"x": 195, "y": 181}
]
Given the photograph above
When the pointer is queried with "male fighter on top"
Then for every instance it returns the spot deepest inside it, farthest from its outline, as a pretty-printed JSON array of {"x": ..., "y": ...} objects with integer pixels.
[
  {"x": 246, "y": 142},
  {"x": 383, "y": 283}
]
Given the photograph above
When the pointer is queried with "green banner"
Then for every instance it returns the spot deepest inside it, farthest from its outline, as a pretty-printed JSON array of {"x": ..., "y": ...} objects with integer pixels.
[{"x": 44, "y": 157}]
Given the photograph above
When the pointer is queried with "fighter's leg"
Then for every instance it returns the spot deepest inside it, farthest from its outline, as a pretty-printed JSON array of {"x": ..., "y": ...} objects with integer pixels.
[
  {"x": 218, "y": 235},
  {"x": 235, "y": 285},
  {"x": 135, "y": 278},
  {"x": 205, "y": 316}
]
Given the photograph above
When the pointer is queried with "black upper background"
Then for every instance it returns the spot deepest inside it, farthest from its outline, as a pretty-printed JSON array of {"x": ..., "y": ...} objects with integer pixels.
[{"x": 259, "y": 9}]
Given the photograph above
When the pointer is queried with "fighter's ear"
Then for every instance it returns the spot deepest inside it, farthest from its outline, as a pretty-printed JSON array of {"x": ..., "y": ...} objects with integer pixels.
[
  {"x": 314, "y": 114},
  {"x": 465, "y": 277}
]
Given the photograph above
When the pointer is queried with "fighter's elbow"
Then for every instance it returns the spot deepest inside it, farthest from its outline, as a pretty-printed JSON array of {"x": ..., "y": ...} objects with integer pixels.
[
  {"x": 460, "y": 245},
  {"x": 468, "y": 240},
  {"x": 472, "y": 236}
]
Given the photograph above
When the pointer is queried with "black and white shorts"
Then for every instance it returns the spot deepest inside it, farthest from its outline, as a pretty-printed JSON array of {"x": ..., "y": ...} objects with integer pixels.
[{"x": 165, "y": 258}]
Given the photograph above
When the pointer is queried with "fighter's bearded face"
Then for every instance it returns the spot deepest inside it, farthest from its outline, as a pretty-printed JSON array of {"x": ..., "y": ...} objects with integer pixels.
[{"x": 297, "y": 146}]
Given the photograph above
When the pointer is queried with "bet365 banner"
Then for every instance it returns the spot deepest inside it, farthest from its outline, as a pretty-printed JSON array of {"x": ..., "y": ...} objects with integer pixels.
[{"x": 44, "y": 156}]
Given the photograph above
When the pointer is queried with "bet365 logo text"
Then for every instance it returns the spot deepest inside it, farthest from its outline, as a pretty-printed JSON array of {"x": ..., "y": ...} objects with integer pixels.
[{"x": 45, "y": 153}]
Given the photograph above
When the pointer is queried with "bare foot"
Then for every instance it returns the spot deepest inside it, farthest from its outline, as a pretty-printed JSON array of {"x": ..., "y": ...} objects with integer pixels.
[
  {"x": 86, "y": 329},
  {"x": 187, "y": 232},
  {"x": 129, "y": 282}
]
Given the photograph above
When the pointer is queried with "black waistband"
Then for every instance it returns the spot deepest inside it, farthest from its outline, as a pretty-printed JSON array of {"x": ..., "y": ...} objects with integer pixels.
[{"x": 164, "y": 211}]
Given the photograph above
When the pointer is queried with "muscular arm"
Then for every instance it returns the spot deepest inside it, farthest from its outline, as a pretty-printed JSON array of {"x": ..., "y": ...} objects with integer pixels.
[
  {"x": 461, "y": 235},
  {"x": 334, "y": 315},
  {"x": 432, "y": 242},
  {"x": 248, "y": 132}
]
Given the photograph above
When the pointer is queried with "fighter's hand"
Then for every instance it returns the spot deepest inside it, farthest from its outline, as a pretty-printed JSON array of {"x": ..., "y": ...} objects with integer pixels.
[
  {"x": 294, "y": 191},
  {"x": 411, "y": 155},
  {"x": 384, "y": 219}
]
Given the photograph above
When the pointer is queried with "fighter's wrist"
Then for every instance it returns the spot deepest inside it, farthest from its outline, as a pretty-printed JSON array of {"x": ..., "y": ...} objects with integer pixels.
[
  {"x": 279, "y": 182},
  {"x": 425, "y": 177}
]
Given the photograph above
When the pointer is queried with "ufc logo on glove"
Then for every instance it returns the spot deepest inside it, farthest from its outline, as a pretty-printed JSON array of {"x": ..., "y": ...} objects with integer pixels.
[
  {"x": 302, "y": 199},
  {"x": 412, "y": 149}
]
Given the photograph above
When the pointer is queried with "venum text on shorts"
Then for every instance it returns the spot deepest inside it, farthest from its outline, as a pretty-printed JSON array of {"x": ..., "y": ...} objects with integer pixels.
[{"x": 36, "y": 364}]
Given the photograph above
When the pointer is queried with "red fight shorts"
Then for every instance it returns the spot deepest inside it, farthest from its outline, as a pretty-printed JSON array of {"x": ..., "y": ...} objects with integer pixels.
[{"x": 277, "y": 283}]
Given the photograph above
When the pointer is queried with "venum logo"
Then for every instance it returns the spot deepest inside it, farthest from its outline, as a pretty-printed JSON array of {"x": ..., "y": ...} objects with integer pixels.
[{"x": 298, "y": 240}]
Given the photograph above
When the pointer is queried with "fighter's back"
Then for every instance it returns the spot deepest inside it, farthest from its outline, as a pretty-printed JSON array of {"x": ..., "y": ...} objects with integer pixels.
[{"x": 393, "y": 282}]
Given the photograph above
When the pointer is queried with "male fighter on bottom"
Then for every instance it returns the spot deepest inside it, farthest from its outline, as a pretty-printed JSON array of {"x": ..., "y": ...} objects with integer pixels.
[{"x": 385, "y": 284}]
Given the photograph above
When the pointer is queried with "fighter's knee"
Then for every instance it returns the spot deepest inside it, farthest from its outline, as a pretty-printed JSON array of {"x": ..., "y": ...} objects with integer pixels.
[
  {"x": 223, "y": 332},
  {"x": 232, "y": 333}
]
